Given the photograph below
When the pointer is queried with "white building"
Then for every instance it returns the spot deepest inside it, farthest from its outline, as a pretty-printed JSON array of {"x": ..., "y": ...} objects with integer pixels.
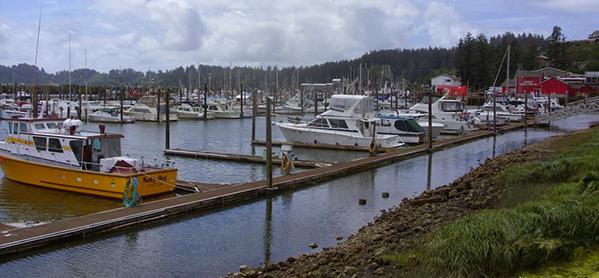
[{"x": 445, "y": 80}]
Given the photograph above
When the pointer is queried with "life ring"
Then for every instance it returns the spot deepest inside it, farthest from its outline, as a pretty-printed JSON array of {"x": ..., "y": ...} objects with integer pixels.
[
  {"x": 286, "y": 164},
  {"x": 372, "y": 147}
]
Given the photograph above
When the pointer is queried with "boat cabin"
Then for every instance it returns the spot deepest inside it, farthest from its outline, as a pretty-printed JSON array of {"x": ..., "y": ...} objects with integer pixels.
[{"x": 60, "y": 141}]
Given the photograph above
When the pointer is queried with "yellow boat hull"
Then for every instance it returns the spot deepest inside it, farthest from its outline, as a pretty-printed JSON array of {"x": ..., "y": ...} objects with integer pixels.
[{"x": 111, "y": 185}]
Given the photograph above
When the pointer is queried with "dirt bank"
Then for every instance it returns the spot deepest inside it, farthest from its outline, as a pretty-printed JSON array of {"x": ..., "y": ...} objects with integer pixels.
[{"x": 399, "y": 228}]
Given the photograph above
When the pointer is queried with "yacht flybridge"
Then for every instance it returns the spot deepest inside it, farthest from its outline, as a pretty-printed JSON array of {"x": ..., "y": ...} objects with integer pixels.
[
  {"x": 350, "y": 121},
  {"x": 55, "y": 153}
]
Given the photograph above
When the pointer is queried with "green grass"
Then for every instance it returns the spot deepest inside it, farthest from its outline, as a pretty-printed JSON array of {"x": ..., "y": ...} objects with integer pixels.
[{"x": 554, "y": 209}]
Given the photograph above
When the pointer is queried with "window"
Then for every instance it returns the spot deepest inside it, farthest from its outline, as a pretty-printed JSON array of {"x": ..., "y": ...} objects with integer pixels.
[
  {"x": 54, "y": 145},
  {"x": 40, "y": 126},
  {"x": 319, "y": 123},
  {"x": 408, "y": 125},
  {"x": 40, "y": 143},
  {"x": 97, "y": 145},
  {"x": 15, "y": 128},
  {"x": 51, "y": 125},
  {"x": 23, "y": 127},
  {"x": 9, "y": 127},
  {"x": 338, "y": 123}
]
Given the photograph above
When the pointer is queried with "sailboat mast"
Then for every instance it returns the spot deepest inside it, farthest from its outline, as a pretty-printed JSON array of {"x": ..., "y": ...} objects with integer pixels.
[
  {"x": 86, "y": 85},
  {"x": 507, "y": 78},
  {"x": 37, "y": 47},
  {"x": 70, "y": 97}
]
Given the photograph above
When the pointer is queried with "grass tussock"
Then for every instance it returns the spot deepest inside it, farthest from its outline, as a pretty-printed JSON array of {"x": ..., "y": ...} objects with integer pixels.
[
  {"x": 500, "y": 242},
  {"x": 556, "y": 211}
]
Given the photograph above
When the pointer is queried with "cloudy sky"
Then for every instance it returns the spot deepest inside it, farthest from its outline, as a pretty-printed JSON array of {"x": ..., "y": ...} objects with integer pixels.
[{"x": 162, "y": 34}]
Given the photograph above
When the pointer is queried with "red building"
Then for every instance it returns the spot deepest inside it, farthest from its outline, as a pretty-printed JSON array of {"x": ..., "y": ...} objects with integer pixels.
[{"x": 556, "y": 86}]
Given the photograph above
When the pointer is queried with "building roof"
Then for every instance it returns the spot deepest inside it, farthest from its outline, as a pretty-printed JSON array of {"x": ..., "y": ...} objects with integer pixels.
[
  {"x": 592, "y": 74},
  {"x": 446, "y": 75},
  {"x": 529, "y": 73}
]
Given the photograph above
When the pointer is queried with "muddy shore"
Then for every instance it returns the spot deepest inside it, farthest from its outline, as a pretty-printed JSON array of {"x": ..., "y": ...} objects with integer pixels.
[{"x": 399, "y": 228}]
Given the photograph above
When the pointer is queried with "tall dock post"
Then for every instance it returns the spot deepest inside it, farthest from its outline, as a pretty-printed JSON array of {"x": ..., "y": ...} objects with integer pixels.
[
  {"x": 205, "y": 106},
  {"x": 241, "y": 93},
  {"x": 158, "y": 105},
  {"x": 495, "y": 110},
  {"x": 121, "y": 95},
  {"x": 254, "y": 113},
  {"x": 79, "y": 100},
  {"x": 315, "y": 103},
  {"x": 167, "y": 139},
  {"x": 430, "y": 121},
  {"x": 525, "y": 109},
  {"x": 268, "y": 144}
]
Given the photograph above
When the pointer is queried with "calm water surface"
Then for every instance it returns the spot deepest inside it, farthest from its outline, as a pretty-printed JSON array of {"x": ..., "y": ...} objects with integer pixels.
[{"x": 273, "y": 229}]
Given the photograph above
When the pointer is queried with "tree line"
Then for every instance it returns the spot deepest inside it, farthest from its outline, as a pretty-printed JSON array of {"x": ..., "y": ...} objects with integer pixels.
[{"x": 475, "y": 59}]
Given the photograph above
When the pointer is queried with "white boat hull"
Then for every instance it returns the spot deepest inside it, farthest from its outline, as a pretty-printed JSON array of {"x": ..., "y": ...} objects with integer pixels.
[{"x": 306, "y": 135}]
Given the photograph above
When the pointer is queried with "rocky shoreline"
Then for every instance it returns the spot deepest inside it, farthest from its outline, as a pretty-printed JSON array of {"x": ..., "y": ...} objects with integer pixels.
[{"x": 399, "y": 228}]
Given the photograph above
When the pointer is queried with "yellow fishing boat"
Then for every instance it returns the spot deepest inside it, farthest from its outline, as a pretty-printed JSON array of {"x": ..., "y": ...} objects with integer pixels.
[{"x": 55, "y": 153}]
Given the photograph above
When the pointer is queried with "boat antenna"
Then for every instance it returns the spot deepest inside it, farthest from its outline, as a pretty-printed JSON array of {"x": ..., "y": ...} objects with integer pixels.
[{"x": 37, "y": 47}]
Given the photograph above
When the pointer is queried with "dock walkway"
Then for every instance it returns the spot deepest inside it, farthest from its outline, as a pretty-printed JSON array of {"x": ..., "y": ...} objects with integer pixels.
[
  {"x": 243, "y": 158},
  {"x": 18, "y": 240}
]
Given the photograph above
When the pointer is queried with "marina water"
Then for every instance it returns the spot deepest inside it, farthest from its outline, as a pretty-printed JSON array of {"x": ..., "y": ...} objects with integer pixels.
[{"x": 217, "y": 242}]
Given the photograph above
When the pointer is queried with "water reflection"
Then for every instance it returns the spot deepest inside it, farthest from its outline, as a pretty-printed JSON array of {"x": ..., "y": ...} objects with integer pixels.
[
  {"x": 265, "y": 230},
  {"x": 268, "y": 231},
  {"x": 494, "y": 145},
  {"x": 429, "y": 171}
]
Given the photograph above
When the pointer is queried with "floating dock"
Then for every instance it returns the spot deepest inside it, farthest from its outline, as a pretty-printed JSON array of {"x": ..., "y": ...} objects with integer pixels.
[
  {"x": 17, "y": 240},
  {"x": 322, "y": 146},
  {"x": 243, "y": 158}
]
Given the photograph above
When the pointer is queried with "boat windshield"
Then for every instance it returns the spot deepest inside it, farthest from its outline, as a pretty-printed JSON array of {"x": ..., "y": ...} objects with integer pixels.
[
  {"x": 408, "y": 125},
  {"x": 451, "y": 106},
  {"x": 319, "y": 123}
]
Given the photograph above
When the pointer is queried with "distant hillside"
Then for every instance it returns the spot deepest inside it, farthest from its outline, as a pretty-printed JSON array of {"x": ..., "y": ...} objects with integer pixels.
[{"x": 475, "y": 60}]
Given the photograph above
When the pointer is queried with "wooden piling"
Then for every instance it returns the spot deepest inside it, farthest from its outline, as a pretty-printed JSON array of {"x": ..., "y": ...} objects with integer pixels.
[
  {"x": 79, "y": 100},
  {"x": 121, "y": 103},
  {"x": 268, "y": 144},
  {"x": 205, "y": 101},
  {"x": 430, "y": 120},
  {"x": 167, "y": 139},
  {"x": 241, "y": 93},
  {"x": 315, "y": 103},
  {"x": 158, "y": 105},
  {"x": 254, "y": 112}
]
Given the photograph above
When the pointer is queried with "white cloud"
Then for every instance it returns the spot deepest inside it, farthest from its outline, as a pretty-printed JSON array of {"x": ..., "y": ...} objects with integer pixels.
[
  {"x": 444, "y": 24},
  {"x": 591, "y": 6}
]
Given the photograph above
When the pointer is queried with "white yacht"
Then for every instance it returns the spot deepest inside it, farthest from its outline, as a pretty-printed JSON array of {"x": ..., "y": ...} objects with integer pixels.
[
  {"x": 223, "y": 110},
  {"x": 405, "y": 127},
  {"x": 350, "y": 121},
  {"x": 145, "y": 110},
  {"x": 502, "y": 111},
  {"x": 109, "y": 115},
  {"x": 448, "y": 112},
  {"x": 187, "y": 111}
]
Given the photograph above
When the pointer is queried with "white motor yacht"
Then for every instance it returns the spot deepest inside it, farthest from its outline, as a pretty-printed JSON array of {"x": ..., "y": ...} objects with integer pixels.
[
  {"x": 187, "y": 111},
  {"x": 405, "y": 127},
  {"x": 145, "y": 110},
  {"x": 350, "y": 121},
  {"x": 502, "y": 111},
  {"x": 223, "y": 110},
  {"x": 109, "y": 115},
  {"x": 449, "y": 112}
]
